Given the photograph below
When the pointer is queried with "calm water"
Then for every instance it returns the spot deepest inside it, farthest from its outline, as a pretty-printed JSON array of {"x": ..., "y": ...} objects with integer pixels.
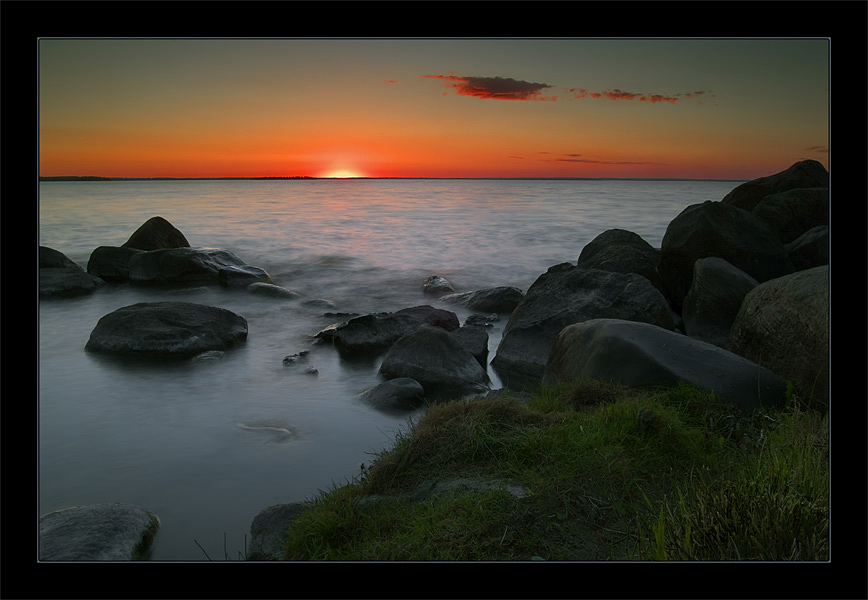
[{"x": 207, "y": 445}]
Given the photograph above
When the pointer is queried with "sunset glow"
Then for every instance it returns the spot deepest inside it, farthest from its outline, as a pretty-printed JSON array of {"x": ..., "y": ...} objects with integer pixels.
[{"x": 343, "y": 108}]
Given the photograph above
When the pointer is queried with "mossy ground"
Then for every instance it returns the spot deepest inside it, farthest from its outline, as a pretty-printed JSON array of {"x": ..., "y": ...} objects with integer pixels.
[{"x": 612, "y": 474}]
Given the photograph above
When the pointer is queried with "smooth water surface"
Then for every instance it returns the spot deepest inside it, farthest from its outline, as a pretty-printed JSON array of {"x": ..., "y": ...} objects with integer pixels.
[{"x": 208, "y": 444}]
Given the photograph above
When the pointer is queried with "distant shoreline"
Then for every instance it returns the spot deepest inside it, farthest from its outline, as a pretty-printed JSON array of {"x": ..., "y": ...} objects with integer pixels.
[{"x": 268, "y": 178}]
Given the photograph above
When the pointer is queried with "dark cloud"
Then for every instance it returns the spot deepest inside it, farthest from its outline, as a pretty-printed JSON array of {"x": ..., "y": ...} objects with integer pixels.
[
  {"x": 572, "y": 158},
  {"x": 821, "y": 149},
  {"x": 496, "y": 88}
]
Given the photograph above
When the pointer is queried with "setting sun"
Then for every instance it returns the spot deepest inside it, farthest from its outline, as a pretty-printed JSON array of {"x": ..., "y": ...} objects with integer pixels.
[{"x": 343, "y": 174}]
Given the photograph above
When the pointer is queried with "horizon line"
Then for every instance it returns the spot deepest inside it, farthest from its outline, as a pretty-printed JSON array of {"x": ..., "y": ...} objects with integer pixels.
[{"x": 241, "y": 178}]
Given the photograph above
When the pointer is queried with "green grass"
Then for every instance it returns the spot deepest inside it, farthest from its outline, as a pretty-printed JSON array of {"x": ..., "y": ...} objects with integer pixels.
[{"x": 611, "y": 474}]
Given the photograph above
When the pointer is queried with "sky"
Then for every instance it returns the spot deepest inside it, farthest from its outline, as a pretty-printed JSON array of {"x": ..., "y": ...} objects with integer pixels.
[{"x": 660, "y": 108}]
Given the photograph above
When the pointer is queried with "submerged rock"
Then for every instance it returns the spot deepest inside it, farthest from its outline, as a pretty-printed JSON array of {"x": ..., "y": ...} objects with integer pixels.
[
  {"x": 502, "y": 299},
  {"x": 98, "y": 532},
  {"x": 167, "y": 330}
]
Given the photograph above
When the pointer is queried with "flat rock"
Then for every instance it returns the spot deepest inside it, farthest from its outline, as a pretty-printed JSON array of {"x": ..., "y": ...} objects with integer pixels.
[
  {"x": 268, "y": 530},
  {"x": 502, "y": 299},
  {"x": 97, "y": 532},
  {"x": 60, "y": 277},
  {"x": 167, "y": 330},
  {"x": 400, "y": 393}
]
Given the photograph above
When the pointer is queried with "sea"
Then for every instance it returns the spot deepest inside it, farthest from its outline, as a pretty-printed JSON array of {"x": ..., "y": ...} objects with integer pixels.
[{"x": 208, "y": 444}]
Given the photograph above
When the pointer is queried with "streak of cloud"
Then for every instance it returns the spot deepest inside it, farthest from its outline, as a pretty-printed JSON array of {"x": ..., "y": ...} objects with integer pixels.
[
  {"x": 821, "y": 149},
  {"x": 497, "y": 88}
]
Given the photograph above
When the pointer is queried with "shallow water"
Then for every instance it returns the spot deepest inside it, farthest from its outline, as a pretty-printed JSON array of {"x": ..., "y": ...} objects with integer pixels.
[{"x": 208, "y": 444}]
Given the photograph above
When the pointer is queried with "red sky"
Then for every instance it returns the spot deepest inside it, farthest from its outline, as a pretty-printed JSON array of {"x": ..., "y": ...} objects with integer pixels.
[{"x": 726, "y": 109}]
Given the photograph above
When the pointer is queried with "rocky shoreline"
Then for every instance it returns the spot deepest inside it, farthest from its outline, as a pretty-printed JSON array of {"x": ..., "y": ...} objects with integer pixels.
[{"x": 736, "y": 301}]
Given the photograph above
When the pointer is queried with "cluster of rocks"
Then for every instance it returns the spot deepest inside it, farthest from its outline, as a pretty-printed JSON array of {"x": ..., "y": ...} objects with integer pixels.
[{"x": 735, "y": 301}]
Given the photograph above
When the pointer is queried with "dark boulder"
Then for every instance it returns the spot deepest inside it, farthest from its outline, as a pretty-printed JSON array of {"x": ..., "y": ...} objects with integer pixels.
[
  {"x": 646, "y": 356},
  {"x": 111, "y": 263},
  {"x": 722, "y": 230},
  {"x": 811, "y": 249},
  {"x": 435, "y": 359},
  {"x": 794, "y": 212},
  {"x": 475, "y": 340},
  {"x": 374, "y": 333},
  {"x": 715, "y": 296},
  {"x": 783, "y": 324},
  {"x": 60, "y": 277},
  {"x": 502, "y": 299},
  {"x": 399, "y": 394},
  {"x": 167, "y": 330},
  {"x": 803, "y": 174},
  {"x": 97, "y": 532},
  {"x": 156, "y": 233},
  {"x": 622, "y": 251},
  {"x": 564, "y": 295},
  {"x": 194, "y": 265}
]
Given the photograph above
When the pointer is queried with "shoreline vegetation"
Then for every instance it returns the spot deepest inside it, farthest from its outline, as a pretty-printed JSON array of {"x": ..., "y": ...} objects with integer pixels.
[
  {"x": 607, "y": 473},
  {"x": 270, "y": 178}
]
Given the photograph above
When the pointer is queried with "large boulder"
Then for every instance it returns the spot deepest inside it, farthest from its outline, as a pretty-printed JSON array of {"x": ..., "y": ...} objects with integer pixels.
[
  {"x": 435, "y": 359},
  {"x": 194, "y": 265},
  {"x": 622, "y": 251},
  {"x": 502, "y": 299},
  {"x": 474, "y": 339},
  {"x": 374, "y": 333},
  {"x": 97, "y": 532},
  {"x": 811, "y": 249},
  {"x": 722, "y": 230},
  {"x": 564, "y": 295},
  {"x": 783, "y": 324},
  {"x": 167, "y": 330},
  {"x": 647, "y": 356},
  {"x": 794, "y": 212},
  {"x": 61, "y": 277},
  {"x": 803, "y": 174},
  {"x": 156, "y": 233},
  {"x": 399, "y": 394},
  {"x": 715, "y": 296},
  {"x": 111, "y": 263}
]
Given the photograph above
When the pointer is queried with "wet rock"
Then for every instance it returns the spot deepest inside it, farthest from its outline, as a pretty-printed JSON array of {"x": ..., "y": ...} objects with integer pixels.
[
  {"x": 167, "y": 330},
  {"x": 436, "y": 285},
  {"x": 435, "y": 359},
  {"x": 268, "y": 531},
  {"x": 400, "y": 393},
  {"x": 194, "y": 265},
  {"x": 495, "y": 300},
  {"x": 60, "y": 277},
  {"x": 374, "y": 333},
  {"x": 156, "y": 233},
  {"x": 269, "y": 289}
]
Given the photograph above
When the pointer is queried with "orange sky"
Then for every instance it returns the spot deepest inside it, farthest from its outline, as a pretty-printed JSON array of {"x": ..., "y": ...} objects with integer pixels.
[{"x": 726, "y": 109}]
